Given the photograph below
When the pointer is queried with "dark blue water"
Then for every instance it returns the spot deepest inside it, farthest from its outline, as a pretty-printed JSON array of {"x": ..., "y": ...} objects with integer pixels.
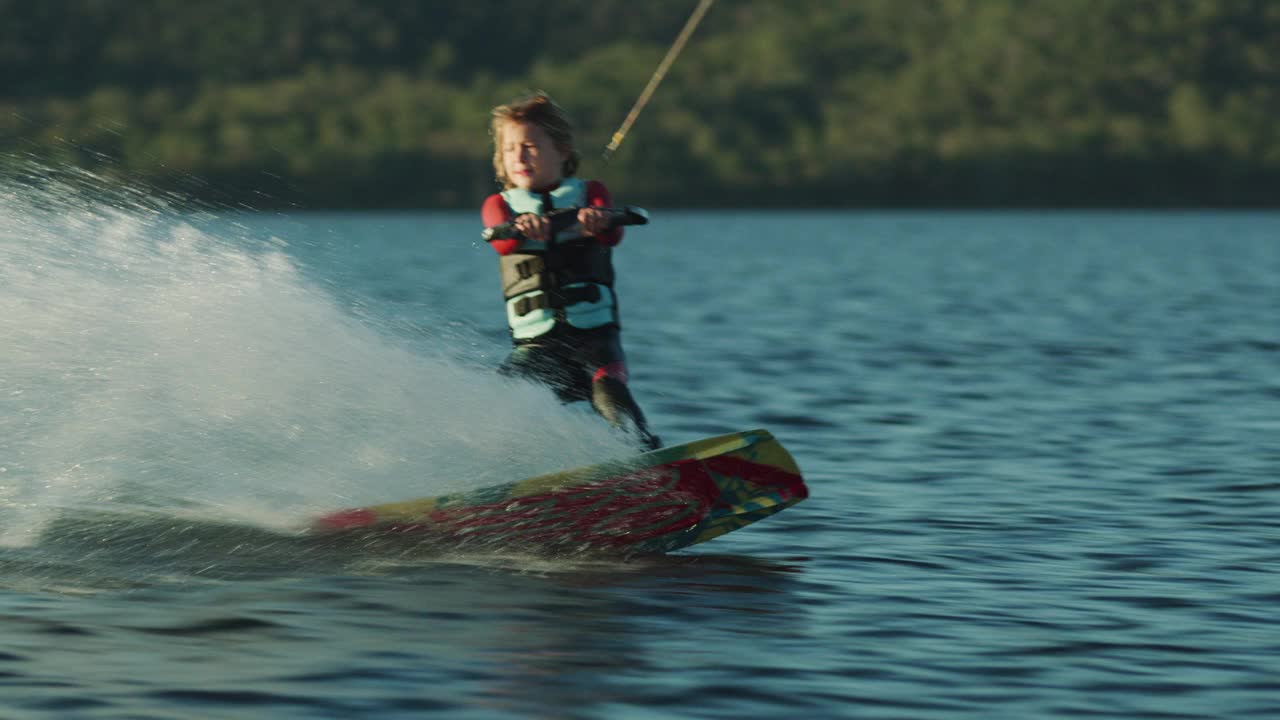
[{"x": 1043, "y": 450}]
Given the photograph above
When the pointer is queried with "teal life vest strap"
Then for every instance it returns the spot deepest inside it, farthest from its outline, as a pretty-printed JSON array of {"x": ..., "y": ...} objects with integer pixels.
[
  {"x": 586, "y": 292},
  {"x": 580, "y": 305}
]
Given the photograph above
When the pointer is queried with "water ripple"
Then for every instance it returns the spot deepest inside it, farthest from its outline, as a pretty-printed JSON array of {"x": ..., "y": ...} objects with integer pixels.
[{"x": 1041, "y": 448}]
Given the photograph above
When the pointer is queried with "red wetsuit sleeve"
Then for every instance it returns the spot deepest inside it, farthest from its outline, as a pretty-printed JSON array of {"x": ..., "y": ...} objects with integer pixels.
[
  {"x": 598, "y": 196},
  {"x": 495, "y": 211}
]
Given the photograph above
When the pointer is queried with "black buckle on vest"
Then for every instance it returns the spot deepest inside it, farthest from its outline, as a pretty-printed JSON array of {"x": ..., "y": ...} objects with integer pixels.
[
  {"x": 529, "y": 268},
  {"x": 524, "y": 306},
  {"x": 557, "y": 299}
]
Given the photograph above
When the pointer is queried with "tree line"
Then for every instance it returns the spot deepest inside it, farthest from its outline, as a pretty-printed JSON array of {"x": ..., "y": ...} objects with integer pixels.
[{"x": 836, "y": 103}]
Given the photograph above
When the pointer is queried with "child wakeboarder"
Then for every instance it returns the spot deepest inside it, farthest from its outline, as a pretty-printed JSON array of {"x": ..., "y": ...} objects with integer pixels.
[{"x": 558, "y": 284}]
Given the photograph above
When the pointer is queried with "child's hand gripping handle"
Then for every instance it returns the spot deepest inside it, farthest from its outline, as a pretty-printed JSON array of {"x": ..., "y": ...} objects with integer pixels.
[{"x": 562, "y": 220}]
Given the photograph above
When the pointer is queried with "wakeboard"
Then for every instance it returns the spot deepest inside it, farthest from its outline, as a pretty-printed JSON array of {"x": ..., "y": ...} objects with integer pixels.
[{"x": 660, "y": 501}]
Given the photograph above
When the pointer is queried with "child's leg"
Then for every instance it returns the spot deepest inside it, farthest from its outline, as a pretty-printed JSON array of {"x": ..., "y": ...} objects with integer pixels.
[
  {"x": 611, "y": 398},
  {"x": 542, "y": 365},
  {"x": 606, "y": 367}
]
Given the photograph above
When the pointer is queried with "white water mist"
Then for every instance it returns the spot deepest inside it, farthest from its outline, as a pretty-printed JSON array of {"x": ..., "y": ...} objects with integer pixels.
[{"x": 146, "y": 364}]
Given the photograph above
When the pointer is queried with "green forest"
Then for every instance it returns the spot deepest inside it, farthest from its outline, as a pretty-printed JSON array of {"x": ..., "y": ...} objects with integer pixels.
[{"x": 773, "y": 103}]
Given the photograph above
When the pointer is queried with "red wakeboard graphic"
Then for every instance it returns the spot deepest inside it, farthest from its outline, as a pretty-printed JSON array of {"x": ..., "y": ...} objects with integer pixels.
[{"x": 661, "y": 501}]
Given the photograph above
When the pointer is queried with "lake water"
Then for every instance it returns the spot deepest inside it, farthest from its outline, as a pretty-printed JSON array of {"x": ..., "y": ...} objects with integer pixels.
[{"x": 1043, "y": 450}]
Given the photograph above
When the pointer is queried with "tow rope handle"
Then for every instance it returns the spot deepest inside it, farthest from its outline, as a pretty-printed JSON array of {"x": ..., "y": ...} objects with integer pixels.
[{"x": 567, "y": 218}]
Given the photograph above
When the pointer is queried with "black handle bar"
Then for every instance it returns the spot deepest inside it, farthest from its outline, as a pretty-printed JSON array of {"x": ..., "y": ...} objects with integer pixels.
[{"x": 566, "y": 218}]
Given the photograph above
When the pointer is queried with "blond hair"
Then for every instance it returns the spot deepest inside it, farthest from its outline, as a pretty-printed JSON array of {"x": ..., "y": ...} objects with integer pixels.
[{"x": 540, "y": 110}]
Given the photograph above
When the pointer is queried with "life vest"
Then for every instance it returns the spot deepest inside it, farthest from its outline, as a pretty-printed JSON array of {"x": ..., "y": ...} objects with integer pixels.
[{"x": 569, "y": 279}]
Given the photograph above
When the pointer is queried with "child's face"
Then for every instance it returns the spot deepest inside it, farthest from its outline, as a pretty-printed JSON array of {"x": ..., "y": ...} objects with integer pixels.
[{"x": 531, "y": 159}]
